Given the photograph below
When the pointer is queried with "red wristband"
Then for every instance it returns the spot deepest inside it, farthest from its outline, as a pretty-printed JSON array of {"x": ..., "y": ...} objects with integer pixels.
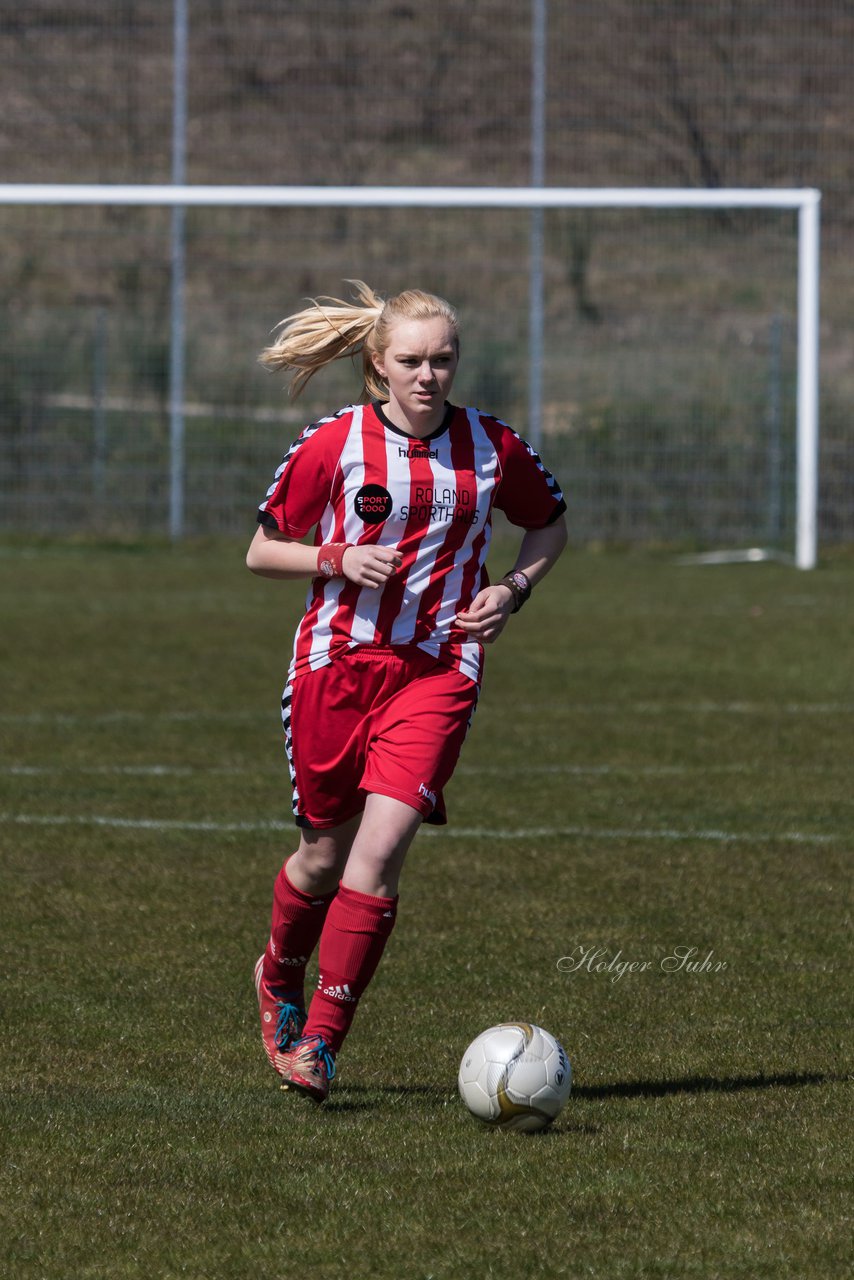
[{"x": 330, "y": 559}]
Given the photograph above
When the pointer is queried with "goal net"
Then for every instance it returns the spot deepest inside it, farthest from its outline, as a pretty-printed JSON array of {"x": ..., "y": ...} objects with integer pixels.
[{"x": 659, "y": 348}]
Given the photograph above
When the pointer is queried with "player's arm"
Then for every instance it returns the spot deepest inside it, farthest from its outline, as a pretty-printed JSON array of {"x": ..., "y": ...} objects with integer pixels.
[
  {"x": 540, "y": 550},
  {"x": 487, "y": 615},
  {"x": 273, "y": 554}
]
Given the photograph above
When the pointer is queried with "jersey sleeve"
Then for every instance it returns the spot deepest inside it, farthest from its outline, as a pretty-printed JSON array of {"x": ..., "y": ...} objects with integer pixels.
[
  {"x": 528, "y": 493},
  {"x": 302, "y": 485}
]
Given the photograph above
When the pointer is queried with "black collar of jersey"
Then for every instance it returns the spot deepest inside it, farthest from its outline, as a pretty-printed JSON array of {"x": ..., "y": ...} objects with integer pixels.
[{"x": 450, "y": 410}]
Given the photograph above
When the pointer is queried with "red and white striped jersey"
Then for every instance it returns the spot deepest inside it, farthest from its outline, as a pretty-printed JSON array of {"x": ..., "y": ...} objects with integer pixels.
[{"x": 356, "y": 478}]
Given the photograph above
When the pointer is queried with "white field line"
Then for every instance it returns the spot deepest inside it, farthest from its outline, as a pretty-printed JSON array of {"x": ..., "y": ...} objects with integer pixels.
[
  {"x": 536, "y": 708},
  {"x": 665, "y": 834},
  {"x": 124, "y": 770},
  {"x": 496, "y": 770}
]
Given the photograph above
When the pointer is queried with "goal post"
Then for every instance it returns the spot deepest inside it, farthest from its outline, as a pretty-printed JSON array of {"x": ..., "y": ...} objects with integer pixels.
[{"x": 805, "y": 202}]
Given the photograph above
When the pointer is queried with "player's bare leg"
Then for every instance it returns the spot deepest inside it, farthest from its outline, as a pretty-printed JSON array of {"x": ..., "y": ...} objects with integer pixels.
[
  {"x": 319, "y": 862},
  {"x": 380, "y": 846}
]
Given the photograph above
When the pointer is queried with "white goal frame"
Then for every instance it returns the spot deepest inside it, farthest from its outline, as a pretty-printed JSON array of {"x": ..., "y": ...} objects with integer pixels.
[{"x": 806, "y": 201}]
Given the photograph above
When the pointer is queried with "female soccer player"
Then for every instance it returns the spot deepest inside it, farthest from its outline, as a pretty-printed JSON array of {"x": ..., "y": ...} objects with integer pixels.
[{"x": 387, "y": 660}]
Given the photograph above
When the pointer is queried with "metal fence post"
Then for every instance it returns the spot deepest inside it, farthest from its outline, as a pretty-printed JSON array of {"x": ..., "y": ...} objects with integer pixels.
[
  {"x": 539, "y": 14},
  {"x": 176, "y": 319}
]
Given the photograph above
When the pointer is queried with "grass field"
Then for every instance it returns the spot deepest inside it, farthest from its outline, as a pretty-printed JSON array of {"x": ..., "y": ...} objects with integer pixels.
[{"x": 661, "y": 759}]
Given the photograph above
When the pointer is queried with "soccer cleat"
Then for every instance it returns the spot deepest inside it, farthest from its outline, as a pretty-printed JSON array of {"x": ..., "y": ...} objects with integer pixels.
[
  {"x": 282, "y": 1017},
  {"x": 309, "y": 1068}
]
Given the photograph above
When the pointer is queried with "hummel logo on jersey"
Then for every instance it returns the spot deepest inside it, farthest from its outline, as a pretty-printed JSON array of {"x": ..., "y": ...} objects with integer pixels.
[
  {"x": 426, "y": 793},
  {"x": 412, "y": 451}
]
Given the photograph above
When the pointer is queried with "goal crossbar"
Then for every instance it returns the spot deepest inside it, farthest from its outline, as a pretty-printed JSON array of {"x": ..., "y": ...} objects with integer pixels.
[
  {"x": 805, "y": 201},
  {"x": 406, "y": 197}
]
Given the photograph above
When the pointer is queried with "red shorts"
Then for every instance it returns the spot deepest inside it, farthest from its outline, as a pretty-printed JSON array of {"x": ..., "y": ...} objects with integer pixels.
[{"x": 385, "y": 721}]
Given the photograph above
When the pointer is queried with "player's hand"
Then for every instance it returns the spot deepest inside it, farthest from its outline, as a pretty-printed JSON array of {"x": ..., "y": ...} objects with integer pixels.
[
  {"x": 370, "y": 566},
  {"x": 486, "y": 616}
]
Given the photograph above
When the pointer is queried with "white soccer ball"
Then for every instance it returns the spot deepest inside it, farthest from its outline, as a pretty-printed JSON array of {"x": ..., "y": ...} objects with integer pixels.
[{"x": 515, "y": 1076}]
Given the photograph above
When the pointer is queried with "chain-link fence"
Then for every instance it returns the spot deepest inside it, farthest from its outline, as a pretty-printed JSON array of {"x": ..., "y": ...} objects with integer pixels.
[{"x": 668, "y": 394}]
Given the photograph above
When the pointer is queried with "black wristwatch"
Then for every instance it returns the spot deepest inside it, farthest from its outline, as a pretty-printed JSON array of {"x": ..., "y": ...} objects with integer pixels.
[{"x": 520, "y": 585}]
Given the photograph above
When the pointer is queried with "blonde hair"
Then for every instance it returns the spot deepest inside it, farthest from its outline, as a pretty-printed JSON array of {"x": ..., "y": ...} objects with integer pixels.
[{"x": 330, "y": 329}]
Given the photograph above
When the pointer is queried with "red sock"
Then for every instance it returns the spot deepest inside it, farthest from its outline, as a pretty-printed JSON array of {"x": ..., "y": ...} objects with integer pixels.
[
  {"x": 357, "y": 928},
  {"x": 296, "y": 926}
]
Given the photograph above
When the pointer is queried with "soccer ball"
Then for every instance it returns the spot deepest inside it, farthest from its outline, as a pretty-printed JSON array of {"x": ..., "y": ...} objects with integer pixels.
[{"x": 515, "y": 1076}]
